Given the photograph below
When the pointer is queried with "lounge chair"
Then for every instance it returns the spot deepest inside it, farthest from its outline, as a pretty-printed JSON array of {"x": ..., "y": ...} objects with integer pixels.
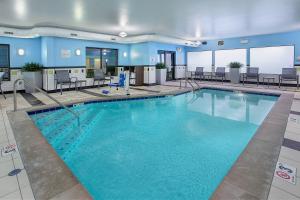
[
  {"x": 289, "y": 74},
  {"x": 220, "y": 73},
  {"x": 1, "y": 78},
  {"x": 62, "y": 77},
  {"x": 199, "y": 73},
  {"x": 99, "y": 76},
  {"x": 252, "y": 73}
]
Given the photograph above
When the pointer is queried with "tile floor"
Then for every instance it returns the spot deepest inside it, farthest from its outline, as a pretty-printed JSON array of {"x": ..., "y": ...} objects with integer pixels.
[
  {"x": 282, "y": 190},
  {"x": 18, "y": 186}
]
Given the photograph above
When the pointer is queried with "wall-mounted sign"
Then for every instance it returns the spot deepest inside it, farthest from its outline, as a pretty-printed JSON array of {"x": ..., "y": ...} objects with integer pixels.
[
  {"x": 50, "y": 71},
  {"x": 179, "y": 49},
  {"x": 244, "y": 41},
  {"x": 65, "y": 53},
  {"x": 220, "y": 42}
]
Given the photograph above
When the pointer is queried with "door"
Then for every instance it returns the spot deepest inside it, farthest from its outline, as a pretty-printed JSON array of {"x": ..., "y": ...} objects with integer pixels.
[
  {"x": 168, "y": 58},
  {"x": 170, "y": 64}
]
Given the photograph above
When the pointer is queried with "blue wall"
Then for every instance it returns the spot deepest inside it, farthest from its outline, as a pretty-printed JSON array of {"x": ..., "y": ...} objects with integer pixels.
[
  {"x": 52, "y": 46},
  {"x": 139, "y": 54},
  {"x": 279, "y": 39},
  {"x": 32, "y": 49},
  {"x": 47, "y": 50},
  {"x": 146, "y": 53}
]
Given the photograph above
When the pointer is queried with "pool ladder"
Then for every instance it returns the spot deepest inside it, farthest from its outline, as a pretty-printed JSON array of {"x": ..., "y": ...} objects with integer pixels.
[
  {"x": 76, "y": 115},
  {"x": 190, "y": 82}
]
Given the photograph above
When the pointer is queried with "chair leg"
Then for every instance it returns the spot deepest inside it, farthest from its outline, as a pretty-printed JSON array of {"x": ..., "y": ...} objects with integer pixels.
[
  {"x": 61, "y": 89},
  {"x": 279, "y": 82}
]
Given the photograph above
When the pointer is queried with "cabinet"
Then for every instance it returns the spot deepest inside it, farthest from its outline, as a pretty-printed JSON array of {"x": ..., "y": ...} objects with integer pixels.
[
  {"x": 149, "y": 75},
  {"x": 180, "y": 72}
]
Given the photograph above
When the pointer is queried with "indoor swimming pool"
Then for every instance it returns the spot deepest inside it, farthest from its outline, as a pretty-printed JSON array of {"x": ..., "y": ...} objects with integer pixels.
[{"x": 174, "y": 147}]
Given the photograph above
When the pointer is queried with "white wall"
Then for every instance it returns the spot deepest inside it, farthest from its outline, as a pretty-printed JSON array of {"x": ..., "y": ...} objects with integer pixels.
[
  {"x": 271, "y": 60},
  {"x": 199, "y": 59},
  {"x": 224, "y": 57}
]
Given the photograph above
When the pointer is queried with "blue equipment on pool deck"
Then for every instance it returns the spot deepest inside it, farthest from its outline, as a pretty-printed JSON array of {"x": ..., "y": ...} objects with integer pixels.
[
  {"x": 121, "y": 83},
  {"x": 105, "y": 91}
]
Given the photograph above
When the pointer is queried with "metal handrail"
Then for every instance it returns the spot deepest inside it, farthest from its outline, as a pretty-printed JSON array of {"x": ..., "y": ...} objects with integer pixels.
[
  {"x": 76, "y": 115},
  {"x": 195, "y": 82},
  {"x": 189, "y": 82}
]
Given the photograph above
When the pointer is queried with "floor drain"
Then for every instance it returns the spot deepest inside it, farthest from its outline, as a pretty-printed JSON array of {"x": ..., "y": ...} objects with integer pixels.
[{"x": 14, "y": 172}]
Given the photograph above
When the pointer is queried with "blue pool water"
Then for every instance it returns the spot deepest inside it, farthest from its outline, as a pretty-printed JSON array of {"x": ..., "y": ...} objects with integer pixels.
[{"x": 177, "y": 147}]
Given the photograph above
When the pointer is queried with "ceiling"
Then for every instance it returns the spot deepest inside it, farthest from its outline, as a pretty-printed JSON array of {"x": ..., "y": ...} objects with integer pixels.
[{"x": 184, "y": 19}]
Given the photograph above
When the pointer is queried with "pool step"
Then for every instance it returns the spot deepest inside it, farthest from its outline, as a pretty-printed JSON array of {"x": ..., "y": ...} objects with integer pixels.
[
  {"x": 49, "y": 127},
  {"x": 59, "y": 132},
  {"x": 70, "y": 143}
]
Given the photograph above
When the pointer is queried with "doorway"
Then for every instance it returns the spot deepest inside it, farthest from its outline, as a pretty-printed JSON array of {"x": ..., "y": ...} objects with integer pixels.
[{"x": 169, "y": 59}]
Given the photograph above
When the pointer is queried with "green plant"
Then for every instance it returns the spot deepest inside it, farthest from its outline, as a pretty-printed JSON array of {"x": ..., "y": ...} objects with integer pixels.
[
  {"x": 160, "y": 66},
  {"x": 235, "y": 65},
  {"x": 32, "y": 67}
]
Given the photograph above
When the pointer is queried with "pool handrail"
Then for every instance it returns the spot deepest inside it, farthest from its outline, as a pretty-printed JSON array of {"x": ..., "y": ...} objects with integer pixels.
[{"x": 76, "y": 115}]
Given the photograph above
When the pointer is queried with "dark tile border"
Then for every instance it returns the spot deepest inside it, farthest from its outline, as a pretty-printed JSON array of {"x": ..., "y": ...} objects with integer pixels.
[
  {"x": 292, "y": 144},
  {"x": 295, "y": 112},
  {"x": 252, "y": 174},
  {"x": 32, "y": 100}
]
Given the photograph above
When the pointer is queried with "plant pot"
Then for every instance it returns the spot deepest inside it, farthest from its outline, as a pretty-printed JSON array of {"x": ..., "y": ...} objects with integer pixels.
[
  {"x": 32, "y": 78},
  {"x": 234, "y": 75},
  {"x": 161, "y": 75}
]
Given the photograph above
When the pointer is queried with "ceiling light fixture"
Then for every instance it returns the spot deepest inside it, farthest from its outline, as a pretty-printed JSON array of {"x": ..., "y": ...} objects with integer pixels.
[
  {"x": 123, "y": 34},
  {"x": 20, "y": 8}
]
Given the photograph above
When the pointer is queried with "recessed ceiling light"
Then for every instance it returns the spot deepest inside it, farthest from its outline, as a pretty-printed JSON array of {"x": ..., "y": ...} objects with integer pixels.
[{"x": 123, "y": 34}]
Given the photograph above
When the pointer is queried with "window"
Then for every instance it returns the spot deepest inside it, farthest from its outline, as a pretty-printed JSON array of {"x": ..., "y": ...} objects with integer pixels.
[
  {"x": 4, "y": 60},
  {"x": 97, "y": 58}
]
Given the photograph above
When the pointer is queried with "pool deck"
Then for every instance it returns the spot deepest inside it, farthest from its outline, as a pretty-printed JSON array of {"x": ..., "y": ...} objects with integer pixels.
[{"x": 45, "y": 176}]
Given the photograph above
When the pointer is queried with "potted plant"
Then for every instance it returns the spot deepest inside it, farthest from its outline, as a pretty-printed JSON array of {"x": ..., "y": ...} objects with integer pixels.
[
  {"x": 161, "y": 73},
  {"x": 234, "y": 73},
  {"x": 32, "y": 74}
]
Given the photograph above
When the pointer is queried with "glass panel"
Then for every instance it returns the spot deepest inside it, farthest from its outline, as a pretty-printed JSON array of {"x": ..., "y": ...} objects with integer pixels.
[
  {"x": 109, "y": 57},
  {"x": 97, "y": 58},
  {"x": 93, "y": 58},
  {"x": 4, "y": 61},
  {"x": 4, "y": 56},
  {"x": 161, "y": 57}
]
